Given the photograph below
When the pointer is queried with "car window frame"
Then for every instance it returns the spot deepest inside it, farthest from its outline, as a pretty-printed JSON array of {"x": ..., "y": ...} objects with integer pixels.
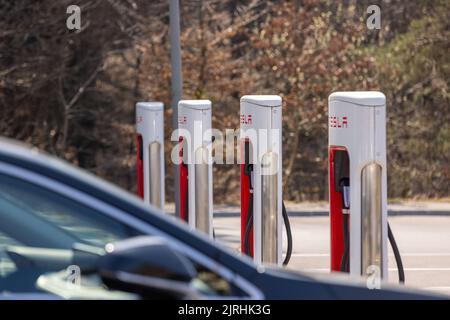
[{"x": 133, "y": 222}]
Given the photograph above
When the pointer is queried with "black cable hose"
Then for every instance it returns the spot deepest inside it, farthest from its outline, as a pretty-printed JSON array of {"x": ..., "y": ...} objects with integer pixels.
[
  {"x": 345, "y": 260},
  {"x": 249, "y": 225},
  {"x": 287, "y": 225},
  {"x": 186, "y": 203},
  {"x": 398, "y": 258}
]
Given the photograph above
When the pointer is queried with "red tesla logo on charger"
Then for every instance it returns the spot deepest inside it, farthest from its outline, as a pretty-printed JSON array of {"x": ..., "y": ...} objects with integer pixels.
[
  {"x": 338, "y": 122},
  {"x": 182, "y": 120},
  {"x": 246, "y": 119}
]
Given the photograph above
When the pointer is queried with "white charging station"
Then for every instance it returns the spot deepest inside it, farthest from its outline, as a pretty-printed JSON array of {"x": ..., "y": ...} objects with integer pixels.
[
  {"x": 150, "y": 152},
  {"x": 196, "y": 180},
  {"x": 358, "y": 183},
  {"x": 261, "y": 177}
]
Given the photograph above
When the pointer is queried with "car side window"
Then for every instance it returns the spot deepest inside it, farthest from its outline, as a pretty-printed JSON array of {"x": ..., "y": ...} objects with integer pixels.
[
  {"x": 6, "y": 265},
  {"x": 77, "y": 220},
  {"x": 33, "y": 217}
]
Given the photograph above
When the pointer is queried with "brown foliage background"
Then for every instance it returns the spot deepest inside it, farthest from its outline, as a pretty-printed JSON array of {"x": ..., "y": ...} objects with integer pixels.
[{"x": 73, "y": 93}]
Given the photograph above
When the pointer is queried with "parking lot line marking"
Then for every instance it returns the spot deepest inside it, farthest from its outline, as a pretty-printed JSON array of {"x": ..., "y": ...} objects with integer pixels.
[
  {"x": 316, "y": 269},
  {"x": 310, "y": 255},
  {"x": 390, "y": 269},
  {"x": 438, "y": 288},
  {"x": 434, "y": 254},
  {"x": 421, "y": 269}
]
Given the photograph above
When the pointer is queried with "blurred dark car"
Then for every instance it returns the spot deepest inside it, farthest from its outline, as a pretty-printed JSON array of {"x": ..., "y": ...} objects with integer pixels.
[{"x": 67, "y": 234}]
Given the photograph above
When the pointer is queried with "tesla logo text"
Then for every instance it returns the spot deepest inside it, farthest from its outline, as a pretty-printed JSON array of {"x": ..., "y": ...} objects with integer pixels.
[
  {"x": 338, "y": 122},
  {"x": 246, "y": 119},
  {"x": 182, "y": 120}
]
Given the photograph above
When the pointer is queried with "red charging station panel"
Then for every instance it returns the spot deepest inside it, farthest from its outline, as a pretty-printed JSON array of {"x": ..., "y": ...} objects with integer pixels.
[
  {"x": 245, "y": 202},
  {"x": 184, "y": 204},
  {"x": 140, "y": 166},
  {"x": 336, "y": 216}
]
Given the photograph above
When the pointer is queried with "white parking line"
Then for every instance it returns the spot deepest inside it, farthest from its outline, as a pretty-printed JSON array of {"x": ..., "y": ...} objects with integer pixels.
[
  {"x": 390, "y": 269},
  {"x": 310, "y": 255},
  {"x": 421, "y": 269},
  {"x": 438, "y": 288},
  {"x": 434, "y": 254}
]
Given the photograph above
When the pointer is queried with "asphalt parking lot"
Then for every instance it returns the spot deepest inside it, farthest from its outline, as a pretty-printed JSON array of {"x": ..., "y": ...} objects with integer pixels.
[{"x": 423, "y": 239}]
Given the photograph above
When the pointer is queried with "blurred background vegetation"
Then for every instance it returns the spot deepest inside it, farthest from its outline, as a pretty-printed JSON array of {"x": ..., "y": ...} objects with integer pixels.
[{"x": 73, "y": 93}]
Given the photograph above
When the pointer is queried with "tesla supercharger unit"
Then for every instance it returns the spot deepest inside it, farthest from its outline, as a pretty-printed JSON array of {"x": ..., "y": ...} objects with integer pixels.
[
  {"x": 195, "y": 138},
  {"x": 150, "y": 152},
  {"x": 261, "y": 193},
  {"x": 358, "y": 183}
]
